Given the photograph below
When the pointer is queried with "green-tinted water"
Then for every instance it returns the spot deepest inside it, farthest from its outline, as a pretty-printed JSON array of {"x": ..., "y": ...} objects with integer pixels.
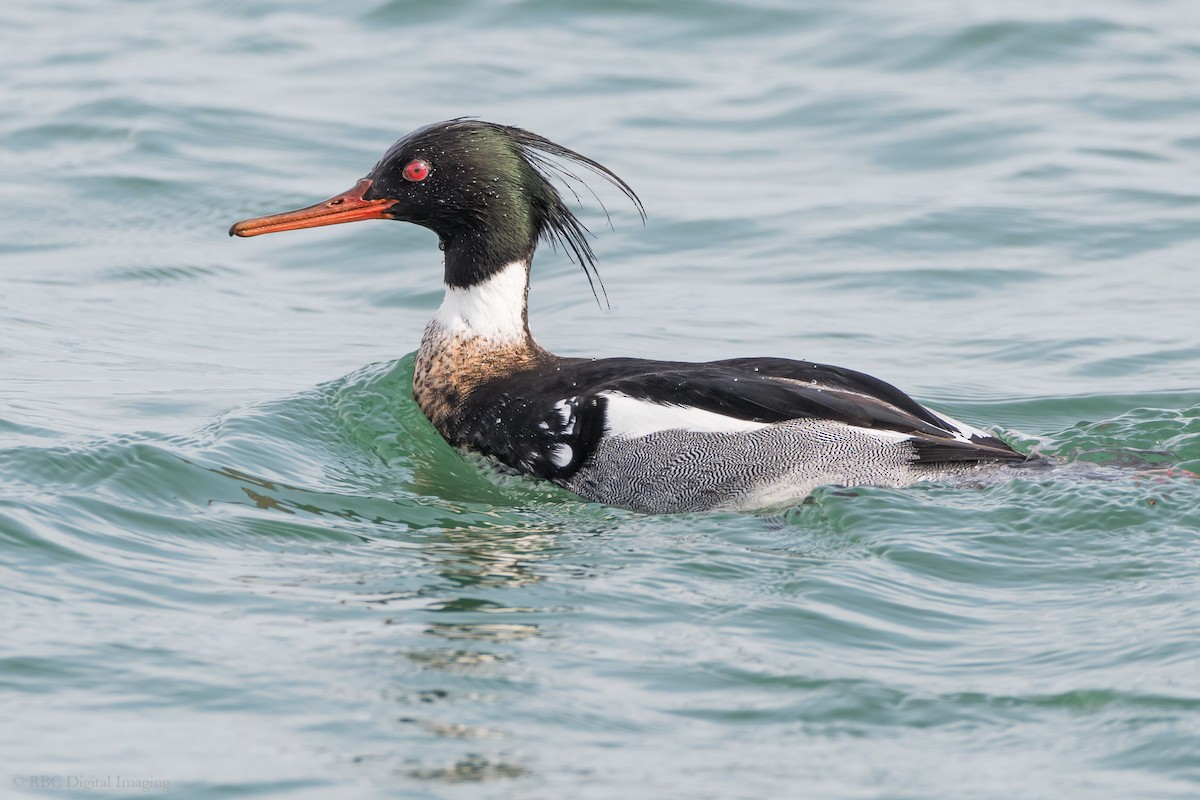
[{"x": 236, "y": 561}]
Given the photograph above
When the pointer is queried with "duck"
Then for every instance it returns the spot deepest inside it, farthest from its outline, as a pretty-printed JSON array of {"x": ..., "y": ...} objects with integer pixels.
[{"x": 651, "y": 436}]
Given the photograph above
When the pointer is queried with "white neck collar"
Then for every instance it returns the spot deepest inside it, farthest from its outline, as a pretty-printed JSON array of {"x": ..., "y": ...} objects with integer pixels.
[{"x": 493, "y": 309}]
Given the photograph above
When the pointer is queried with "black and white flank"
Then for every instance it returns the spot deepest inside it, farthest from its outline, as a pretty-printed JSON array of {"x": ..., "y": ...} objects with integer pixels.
[{"x": 652, "y": 436}]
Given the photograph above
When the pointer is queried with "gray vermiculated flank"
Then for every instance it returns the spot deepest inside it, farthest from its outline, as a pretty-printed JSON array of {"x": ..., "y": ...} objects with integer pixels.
[{"x": 679, "y": 471}]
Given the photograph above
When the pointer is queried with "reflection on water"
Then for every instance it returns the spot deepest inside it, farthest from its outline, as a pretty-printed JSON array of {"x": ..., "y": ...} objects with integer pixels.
[
  {"x": 452, "y": 730},
  {"x": 483, "y": 631},
  {"x": 500, "y": 556},
  {"x": 451, "y": 659}
]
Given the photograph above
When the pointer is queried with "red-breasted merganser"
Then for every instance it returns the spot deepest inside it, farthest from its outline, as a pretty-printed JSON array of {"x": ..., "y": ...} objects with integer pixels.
[{"x": 651, "y": 436}]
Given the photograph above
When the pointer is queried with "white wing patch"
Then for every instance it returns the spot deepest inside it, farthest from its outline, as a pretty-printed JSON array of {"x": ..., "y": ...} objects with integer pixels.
[
  {"x": 566, "y": 413},
  {"x": 628, "y": 417},
  {"x": 882, "y": 433},
  {"x": 962, "y": 431},
  {"x": 562, "y": 455}
]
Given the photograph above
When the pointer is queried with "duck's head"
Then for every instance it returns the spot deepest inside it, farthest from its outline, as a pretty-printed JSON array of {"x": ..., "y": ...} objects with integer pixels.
[{"x": 483, "y": 188}]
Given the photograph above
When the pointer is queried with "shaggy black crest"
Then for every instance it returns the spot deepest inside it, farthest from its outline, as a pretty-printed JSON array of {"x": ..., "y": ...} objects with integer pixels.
[
  {"x": 561, "y": 226},
  {"x": 490, "y": 195}
]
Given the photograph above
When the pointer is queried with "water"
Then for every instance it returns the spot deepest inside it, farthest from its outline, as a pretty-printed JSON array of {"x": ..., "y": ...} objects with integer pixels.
[{"x": 237, "y": 562}]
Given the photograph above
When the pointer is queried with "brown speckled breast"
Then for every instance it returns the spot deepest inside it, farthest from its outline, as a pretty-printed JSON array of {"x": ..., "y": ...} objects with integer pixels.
[{"x": 450, "y": 367}]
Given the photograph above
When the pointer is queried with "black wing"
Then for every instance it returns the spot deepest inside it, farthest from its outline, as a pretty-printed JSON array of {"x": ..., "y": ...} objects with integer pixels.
[{"x": 553, "y": 415}]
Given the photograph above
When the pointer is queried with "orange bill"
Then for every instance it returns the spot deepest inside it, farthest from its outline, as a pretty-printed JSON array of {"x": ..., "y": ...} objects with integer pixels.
[{"x": 348, "y": 206}]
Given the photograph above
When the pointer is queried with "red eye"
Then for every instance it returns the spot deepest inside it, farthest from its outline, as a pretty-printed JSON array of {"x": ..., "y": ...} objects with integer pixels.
[{"x": 416, "y": 171}]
